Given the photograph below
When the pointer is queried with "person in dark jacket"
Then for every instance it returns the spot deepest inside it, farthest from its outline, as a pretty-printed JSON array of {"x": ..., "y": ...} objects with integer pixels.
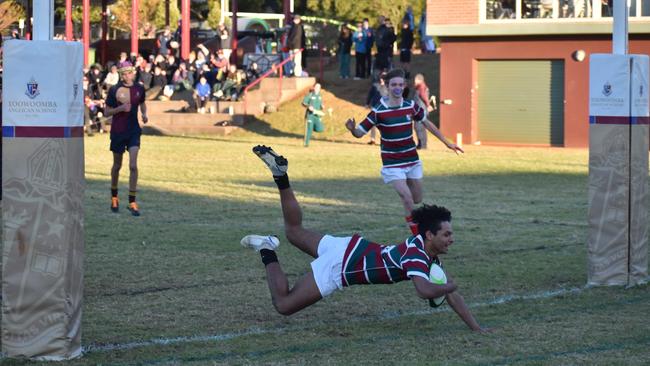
[
  {"x": 370, "y": 41},
  {"x": 405, "y": 45},
  {"x": 345, "y": 45},
  {"x": 385, "y": 38},
  {"x": 296, "y": 42}
]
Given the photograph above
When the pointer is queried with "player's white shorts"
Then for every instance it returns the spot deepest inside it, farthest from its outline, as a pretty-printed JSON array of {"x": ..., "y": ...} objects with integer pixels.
[
  {"x": 410, "y": 172},
  {"x": 328, "y": 266}
]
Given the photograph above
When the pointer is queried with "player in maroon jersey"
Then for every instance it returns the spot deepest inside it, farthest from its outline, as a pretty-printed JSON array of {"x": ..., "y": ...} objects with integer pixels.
[
  {"x": 344, "y": 261},
  {"x": 394, "y": 117}
]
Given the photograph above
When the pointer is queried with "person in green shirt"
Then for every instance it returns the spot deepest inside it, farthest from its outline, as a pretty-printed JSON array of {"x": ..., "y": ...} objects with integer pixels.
[{"x": 313, "y": 121}]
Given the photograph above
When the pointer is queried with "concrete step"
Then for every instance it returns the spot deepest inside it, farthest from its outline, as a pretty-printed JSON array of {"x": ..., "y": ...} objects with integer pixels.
[
  {"x": 224, "y": 106},
  {"x": 190, "y": 130},
  {"x": 271, "y": 84},
  {"x": 194, "y": 119},
  {"x": 157, "y": 106}
]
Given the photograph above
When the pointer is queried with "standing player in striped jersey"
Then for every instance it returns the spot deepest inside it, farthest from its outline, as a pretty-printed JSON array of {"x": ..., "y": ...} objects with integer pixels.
[
  {"x": 345, "y": 261},
  {"x": 394, "y": 116}
]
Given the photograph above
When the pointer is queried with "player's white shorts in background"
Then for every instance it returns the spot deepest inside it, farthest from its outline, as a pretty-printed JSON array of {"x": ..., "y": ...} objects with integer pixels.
[
  {"x": 328, "y": 266},
  {"x": 410, "y": 172}
]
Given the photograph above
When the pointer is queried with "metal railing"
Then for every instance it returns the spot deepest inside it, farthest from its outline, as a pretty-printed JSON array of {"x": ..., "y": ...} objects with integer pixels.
[{"x": 274, "y": 68}]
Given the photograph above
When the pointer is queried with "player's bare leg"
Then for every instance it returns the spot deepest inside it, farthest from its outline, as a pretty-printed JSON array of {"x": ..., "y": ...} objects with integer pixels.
[
  {"x": 115, "y": 176},
  {"x": 304, "y": 239},
  {"x": 403, "y": 189},
  {"x": 305, "y": 292},
  {"x": 133, "y": 180},
  {"x": 288, "y": 301},
  {"x": 415, "y": 186}
]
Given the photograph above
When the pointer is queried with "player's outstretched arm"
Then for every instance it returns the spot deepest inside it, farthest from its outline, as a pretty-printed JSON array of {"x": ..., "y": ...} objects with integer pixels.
[
  {"x": 428, "y": 290},
  {"x": 456, "y": 301},
  {"x": 436, "y": 132},
  {"x": 350, "y": 124}
]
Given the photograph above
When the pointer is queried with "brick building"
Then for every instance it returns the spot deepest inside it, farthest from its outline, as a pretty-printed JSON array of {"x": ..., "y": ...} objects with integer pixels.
[{"x": 516, "y": 72}]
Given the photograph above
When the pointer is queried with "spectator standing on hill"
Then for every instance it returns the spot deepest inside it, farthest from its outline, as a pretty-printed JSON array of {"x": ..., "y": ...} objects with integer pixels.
[
  {"x": 381, "y": 47},
  {"x": 370, "y": 41},
  {"x": 427, "y": 45},
  {"x": 344, "y": 48},
  {"x": 421, "y": 96},
  {"x": 409, "y": 18},
  {"x": 313, "y": 101},
  {"x": 360, "y": 51},
  {"x": 405, "y": 46},
  {"x": 385, "y": 38},
  {"x": 295, "y": 42},
  {"x": 394, "y": 117},
  {"x": 122, "y": 104}
]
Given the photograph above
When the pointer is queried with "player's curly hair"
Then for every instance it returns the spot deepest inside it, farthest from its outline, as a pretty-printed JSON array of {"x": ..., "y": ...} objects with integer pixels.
[
  {"x": 429, "y": 217},
  {"x": 394, "y": 73}
]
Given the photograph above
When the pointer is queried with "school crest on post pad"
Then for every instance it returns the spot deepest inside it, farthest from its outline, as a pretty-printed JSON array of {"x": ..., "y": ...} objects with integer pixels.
[{"x": 32, "y": 89}]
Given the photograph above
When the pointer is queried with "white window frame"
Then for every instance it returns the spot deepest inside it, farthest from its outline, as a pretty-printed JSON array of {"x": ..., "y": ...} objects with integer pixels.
[{"x": 595, "y": 13}]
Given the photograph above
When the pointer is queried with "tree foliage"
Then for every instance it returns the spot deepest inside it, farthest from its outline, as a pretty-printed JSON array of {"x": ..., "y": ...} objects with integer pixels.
[
  {"x": 353, "y": 11},
  {"x": 150, "y": 12},
  {"x": 78, "y": 14},
  {"x": 214, "y": 13},
  {"x": 10, "y": 12}
]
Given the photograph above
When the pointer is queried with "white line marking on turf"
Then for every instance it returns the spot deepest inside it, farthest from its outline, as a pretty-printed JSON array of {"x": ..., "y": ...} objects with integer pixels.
[{"x": 92, "y": 348}]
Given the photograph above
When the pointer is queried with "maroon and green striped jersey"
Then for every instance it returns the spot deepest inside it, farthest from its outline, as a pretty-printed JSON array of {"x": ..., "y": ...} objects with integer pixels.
[
  {"x": 365, "y": 262},
  {"x": 396, "y": 127}
]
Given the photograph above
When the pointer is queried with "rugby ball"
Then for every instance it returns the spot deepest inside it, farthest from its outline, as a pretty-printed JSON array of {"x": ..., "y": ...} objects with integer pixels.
[
  {"x": 437, "y": 276},
  {"x": 123, "y": 95}
]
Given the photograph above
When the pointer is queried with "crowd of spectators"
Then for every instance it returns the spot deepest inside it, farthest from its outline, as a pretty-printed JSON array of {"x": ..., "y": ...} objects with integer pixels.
[
  {"x": 205, "y": 76},
  {"x": 384, "y": 38}
]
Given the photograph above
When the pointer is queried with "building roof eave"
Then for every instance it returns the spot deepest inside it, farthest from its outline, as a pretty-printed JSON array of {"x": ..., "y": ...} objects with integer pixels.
[{"x": 530, "y": 28}]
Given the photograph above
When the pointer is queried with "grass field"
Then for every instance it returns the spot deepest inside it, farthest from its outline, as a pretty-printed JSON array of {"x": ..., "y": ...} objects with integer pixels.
[
  {"x": 177, "y": 272},
  {"x": 174, "y": 287}
]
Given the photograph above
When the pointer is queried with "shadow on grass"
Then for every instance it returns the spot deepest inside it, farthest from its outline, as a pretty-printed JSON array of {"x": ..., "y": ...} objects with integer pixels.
[
  {"x": 188, "y": 224},
  {"x": 173, "y": 267},
  {"x": 258, "y": 126}
]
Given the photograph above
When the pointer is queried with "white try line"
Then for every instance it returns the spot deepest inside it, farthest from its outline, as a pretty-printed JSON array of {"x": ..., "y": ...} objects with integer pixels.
[{"x": 92, "y": 348}]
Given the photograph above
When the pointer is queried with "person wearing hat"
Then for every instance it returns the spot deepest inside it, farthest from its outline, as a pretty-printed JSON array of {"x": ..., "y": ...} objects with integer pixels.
[{"x": 122, "y": 105}]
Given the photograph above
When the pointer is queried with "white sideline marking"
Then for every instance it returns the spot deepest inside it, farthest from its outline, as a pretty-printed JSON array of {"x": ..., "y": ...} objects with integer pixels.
[{"x": 92, "y": 348}]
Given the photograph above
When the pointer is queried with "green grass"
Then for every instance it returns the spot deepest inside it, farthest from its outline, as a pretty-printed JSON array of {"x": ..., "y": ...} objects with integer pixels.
[{"x": 178, "y": 270}]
